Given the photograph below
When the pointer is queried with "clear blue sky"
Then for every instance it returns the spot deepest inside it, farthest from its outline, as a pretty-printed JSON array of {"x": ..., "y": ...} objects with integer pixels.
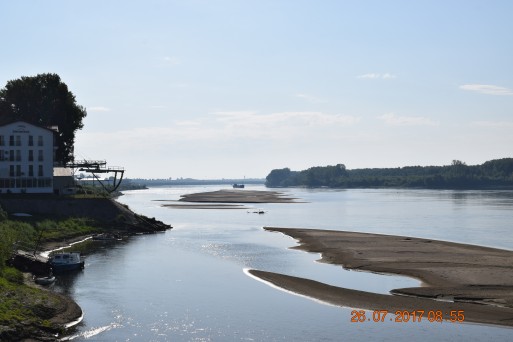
[{"x": 212, "y": 89}]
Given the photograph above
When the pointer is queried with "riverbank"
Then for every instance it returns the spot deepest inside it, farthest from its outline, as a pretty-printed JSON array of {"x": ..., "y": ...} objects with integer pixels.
[
  {"x": 30, "y": 311},
  {"x": 455, "y": 276}
]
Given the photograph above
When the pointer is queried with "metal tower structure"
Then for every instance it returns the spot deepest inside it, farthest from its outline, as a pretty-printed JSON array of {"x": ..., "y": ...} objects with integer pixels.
[{"x": 96, "y": 167}]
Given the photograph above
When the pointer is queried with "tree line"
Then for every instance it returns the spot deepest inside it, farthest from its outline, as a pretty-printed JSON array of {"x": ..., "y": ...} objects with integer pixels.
[{"x": 496, "y": 173}]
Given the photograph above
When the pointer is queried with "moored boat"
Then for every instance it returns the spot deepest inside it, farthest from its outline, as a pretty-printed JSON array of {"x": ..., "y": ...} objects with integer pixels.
[
  {"x": 69, "y": 261},
  {"x": 45, "y": 280}
]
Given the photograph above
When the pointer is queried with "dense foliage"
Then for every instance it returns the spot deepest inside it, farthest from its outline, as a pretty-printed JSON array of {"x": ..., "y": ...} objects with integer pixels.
[
  {"x": 458, "y": 175},
  {"x": 14, "y": 232},
  {"x": 44, "y": 100}
]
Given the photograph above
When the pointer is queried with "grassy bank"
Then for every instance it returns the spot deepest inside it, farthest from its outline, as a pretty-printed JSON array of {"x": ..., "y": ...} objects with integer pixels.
[{"x": 27, "y": 311}]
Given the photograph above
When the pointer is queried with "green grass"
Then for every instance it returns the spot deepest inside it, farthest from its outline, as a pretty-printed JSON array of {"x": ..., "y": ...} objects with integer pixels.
[
  {"x": 21, "y": 303},
  {"x": 26, "y": 233},
  {"x": 25, "y": 311},
  {"x": 65, "y": 228}
]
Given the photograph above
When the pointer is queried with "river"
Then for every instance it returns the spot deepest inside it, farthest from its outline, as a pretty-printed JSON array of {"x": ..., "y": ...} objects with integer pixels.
[{"x": 189, "y": 284}]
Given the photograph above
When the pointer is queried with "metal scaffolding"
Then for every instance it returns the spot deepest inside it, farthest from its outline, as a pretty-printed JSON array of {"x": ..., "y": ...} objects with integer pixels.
[{"x": 95, "y": 167}]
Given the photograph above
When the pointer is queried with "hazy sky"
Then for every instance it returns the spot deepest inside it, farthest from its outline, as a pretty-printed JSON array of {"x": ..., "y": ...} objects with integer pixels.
[{"x": 226, "y": 89}]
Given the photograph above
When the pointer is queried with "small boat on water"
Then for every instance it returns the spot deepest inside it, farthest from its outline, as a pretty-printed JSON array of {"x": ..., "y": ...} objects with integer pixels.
[
  {"x": 70, "y": 261},
  {"x": 45, "y": 280},
  {"x": 238, "y": 186}
]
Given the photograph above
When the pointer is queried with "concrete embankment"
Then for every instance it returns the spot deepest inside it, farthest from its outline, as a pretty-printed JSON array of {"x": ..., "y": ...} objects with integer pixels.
[{"x": 104, "y": 211}]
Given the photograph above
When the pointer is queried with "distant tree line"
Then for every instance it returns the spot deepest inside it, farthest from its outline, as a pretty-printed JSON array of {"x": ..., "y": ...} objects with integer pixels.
[{"x": 496, "y": 173}]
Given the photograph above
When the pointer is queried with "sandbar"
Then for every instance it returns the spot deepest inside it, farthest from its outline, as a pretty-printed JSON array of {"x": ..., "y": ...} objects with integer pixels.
[
  {"x": 475, "y": 279},
  {"x": 238, "y": 196},
  {"x": 204, "y": 206}
]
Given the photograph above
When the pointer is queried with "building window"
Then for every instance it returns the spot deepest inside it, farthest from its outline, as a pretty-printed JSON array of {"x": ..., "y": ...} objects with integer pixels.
[
  {"x": 31, "y": 155},
  {"x": 2, "y": 155},
  {"x": 40, "y": 140},
  {"x": 40, "y": 171},
  {"x": 11, "y": 140},
  {"x": 18, "y": 170},
  {"x": 31, "y": 140},
  {"x": 2, "y": 140},
  {"x": 40, "y": 155},
  {"x": 11, "y": 170},
  {"x": 31, "y": 171},
  {"x": 18, "y": 140},
  {"x": 11, "y": 155},
  {"x": 18, "y": 155}
]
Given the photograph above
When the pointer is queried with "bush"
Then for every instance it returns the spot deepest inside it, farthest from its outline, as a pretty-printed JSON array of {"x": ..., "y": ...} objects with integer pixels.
[
  {"x": 14, "y": 232},
  {"x": 13, "y": 275},
  {"x": 3, "y": 214}
]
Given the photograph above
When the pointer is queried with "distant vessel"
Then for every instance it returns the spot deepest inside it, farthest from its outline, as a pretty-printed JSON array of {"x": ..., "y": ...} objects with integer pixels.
[
  {"x": 238, "y": 186},
  {"x": 63, "y": 262}
]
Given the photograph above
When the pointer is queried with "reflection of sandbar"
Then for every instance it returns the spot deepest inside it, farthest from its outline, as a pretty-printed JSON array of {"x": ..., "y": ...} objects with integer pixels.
[{"x": 468, "y": 275}]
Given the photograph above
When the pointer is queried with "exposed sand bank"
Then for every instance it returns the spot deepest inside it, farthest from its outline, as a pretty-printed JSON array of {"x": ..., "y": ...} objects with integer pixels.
[
  {"x": 466, "y": 274},
  {"x": 238, "y": 196},
  {"x": 204, "y": 206}
]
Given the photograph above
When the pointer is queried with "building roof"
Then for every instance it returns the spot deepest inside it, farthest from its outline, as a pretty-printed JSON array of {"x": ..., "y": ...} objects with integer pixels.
[{"x": 53, "y": 129}]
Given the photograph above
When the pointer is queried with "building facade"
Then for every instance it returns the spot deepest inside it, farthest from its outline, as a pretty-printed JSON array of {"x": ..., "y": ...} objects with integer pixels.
[{"x": 26, "y": 158}]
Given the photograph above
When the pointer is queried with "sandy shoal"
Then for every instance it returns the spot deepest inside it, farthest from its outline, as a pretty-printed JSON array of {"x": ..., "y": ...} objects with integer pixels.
[
  {"x": 238, "y": 196},
  {"x": 475, "y": 279},
  {"x": 205, "y": 206}
]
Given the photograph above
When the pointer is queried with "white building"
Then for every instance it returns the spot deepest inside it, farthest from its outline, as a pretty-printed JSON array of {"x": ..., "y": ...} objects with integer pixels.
[{"x": 26, "y": 158}]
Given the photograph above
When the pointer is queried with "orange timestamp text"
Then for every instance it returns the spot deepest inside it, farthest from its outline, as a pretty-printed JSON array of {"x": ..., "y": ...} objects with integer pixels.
[{"x": 405, "y": 316}]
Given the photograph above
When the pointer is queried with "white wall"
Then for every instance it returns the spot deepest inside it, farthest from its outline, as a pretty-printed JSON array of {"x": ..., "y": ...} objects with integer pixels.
[{"x": 18, "y": 147}]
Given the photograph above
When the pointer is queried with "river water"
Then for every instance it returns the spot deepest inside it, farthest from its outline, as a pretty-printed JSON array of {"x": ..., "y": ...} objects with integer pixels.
[{"x": 189, "y": 284}]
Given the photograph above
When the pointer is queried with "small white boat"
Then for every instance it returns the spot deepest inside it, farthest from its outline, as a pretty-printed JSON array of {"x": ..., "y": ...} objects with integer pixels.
[{"x": 45, "y": 280}]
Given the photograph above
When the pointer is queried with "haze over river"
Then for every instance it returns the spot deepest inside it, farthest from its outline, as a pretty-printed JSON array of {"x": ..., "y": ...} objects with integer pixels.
[{"x": 188, "y": 284}]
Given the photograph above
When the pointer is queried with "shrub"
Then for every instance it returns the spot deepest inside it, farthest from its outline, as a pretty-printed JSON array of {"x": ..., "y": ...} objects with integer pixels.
[{"x": 13, "y": 275}]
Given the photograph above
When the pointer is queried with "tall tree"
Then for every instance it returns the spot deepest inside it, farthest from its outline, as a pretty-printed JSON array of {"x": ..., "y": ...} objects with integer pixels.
[{"x": 44, "y": 100}]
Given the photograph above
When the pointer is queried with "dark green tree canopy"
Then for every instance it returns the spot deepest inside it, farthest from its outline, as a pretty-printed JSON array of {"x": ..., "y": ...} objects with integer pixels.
[
  {"x": 44, "y": 100},
  {"x": 493, "y": 174}
]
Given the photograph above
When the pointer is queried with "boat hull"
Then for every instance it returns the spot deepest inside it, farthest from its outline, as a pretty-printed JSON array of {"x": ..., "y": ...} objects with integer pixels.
[
  {"x": 67, "y": 267},
  {"x": 65, "y": 262}
]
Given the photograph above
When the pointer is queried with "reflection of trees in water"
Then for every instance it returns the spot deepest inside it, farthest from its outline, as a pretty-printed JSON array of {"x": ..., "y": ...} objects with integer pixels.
[{"x": 495, "y": 198}]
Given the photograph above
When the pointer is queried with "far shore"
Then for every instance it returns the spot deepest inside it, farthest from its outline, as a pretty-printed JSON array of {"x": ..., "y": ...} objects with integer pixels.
[{"x": 473, "y": 279}]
